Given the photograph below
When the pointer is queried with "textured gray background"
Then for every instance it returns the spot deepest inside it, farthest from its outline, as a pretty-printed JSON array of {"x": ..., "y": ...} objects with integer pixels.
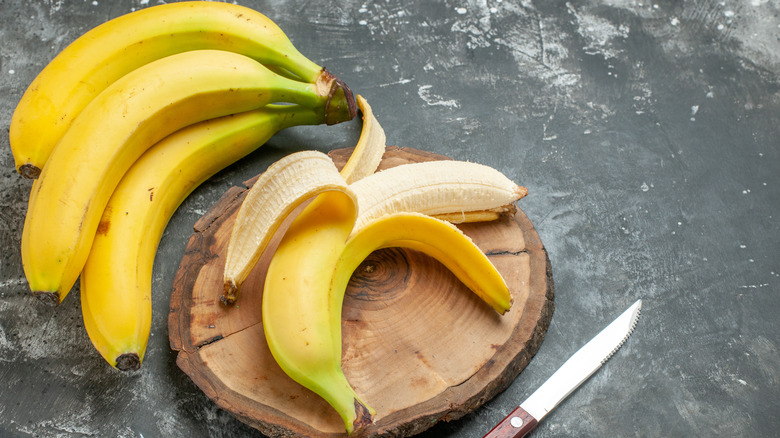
[{"x": 646, "y": 132}]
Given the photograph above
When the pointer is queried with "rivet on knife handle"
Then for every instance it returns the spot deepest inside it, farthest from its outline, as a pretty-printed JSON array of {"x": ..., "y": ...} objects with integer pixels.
[{"x": 516, "y": 425}]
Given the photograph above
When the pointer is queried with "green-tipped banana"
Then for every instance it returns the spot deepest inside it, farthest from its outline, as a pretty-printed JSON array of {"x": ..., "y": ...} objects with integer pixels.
[
  {"x": 117, "y": 47},
  {"x": 298, "y": 312},
  {"x": 114, "y": 130}
]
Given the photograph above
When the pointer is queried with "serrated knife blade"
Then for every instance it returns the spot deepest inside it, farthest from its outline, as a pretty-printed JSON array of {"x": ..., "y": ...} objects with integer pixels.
[{"x": 577, "y": 369}]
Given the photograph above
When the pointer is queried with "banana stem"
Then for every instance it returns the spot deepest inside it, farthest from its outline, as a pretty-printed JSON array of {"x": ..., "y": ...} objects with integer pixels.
[{"x": 341, "y": 105}]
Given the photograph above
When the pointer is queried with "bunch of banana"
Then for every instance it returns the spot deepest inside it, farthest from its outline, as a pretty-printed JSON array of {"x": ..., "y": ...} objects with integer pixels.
[
  {"x": 351, "y": 214},
  {"x": 113, "y": 49},
  {"x": 125, "y": 122}
]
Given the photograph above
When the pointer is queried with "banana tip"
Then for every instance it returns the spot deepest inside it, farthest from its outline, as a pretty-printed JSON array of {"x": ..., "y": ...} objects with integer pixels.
[
  {"x": 48, "y": 298},
  {"x": 507, "y": 307},
  {"x": 29, "y": 171},
  {"x": 231, "y": 293},
  {"x": 128, "y": 362},
  {"x": 363, "y": 416},
  {"x": 521, "y": 191}
]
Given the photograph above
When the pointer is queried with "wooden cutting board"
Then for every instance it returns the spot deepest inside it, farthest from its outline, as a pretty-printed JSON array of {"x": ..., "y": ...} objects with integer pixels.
[{"x": 417, "y": 344}]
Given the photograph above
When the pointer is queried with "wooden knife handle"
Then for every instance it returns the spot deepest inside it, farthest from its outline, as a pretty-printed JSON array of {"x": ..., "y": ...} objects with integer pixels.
[{"x": 516, "y": 425}]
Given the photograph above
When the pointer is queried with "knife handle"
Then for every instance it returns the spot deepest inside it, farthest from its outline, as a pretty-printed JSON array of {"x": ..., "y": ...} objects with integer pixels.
[{"x": 516, "y": 425}]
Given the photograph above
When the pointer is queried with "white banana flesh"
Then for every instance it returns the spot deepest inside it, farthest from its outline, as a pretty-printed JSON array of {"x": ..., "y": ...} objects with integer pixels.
[
  {"x": 433, "y": 188},
  {"x": 286, "y": 184}
]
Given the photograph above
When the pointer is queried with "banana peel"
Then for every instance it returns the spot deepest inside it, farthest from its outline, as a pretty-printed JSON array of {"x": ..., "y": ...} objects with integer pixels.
[{"x": 399, "y": 207}]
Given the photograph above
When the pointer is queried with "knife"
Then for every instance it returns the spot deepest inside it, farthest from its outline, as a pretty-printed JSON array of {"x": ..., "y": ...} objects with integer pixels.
[{"x": 568, "y": 377}]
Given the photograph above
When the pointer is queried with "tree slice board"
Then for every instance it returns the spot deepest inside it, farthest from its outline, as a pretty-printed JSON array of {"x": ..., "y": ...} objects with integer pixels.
[{"x": 417, "y": 344}]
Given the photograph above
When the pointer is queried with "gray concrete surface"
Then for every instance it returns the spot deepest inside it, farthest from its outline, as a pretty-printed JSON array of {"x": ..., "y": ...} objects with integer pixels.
[{"x": 647, "y": 134}]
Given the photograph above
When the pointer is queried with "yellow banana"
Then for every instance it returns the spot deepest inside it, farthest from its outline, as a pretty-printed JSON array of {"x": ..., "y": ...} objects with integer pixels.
[
  {"x": 116, "y": 280},
  {"x": 133, "y": 113},
  {"x": 297, "y": 310},
  {"x": 285, "y": 185},
  {"x": 434, "y": 237},
  {"x": 111, "y": 50},
  {"x": 308, "y": 274}
]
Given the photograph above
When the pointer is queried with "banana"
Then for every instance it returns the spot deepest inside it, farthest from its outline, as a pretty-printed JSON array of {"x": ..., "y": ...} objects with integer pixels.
[
  {"x": 353, "y": 213},
  {"x": 308, "y": 274},
  {"x": 434, "y": 188},
  {"x": 117, "y": 47},
  {"x": 284, "y": 186},
  {"x": 116, "y": 280},
  {"x": 298, "y": 312},
  {"x": 114, "y": 129}
]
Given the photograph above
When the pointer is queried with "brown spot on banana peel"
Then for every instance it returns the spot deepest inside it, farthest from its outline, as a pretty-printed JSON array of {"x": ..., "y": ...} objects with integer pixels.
[
  {"x": 105, "y": 222},
  {"x": 103, "y": 227}
]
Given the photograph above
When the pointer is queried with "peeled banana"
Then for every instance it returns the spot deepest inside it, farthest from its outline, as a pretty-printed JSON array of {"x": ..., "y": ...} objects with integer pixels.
[
  {"x": 117, "y": 47},
  {"x": 115, "y": 128},
  {"x": 298, "y": 313},
  {"x": 284, "y": 186},
  {"x": 116, "y": 280},
  {"x": 307, "y": 277}
]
